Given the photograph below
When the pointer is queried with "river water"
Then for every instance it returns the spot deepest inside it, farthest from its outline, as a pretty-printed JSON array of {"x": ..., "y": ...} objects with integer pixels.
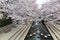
[{"x": 38, "y": 32}]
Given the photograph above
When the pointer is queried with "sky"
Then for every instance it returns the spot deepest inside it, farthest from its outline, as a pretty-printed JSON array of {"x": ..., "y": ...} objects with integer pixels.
[{"x": 40, "y": 2}]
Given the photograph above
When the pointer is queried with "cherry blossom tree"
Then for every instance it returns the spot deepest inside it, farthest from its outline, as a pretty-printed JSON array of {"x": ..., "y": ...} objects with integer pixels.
[
  {"x": 51, "y": 8},
  {"x": 21, "y": 9}
]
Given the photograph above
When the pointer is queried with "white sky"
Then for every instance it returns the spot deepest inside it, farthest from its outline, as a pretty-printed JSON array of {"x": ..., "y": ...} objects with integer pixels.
[{"x": 40, "y": 2}]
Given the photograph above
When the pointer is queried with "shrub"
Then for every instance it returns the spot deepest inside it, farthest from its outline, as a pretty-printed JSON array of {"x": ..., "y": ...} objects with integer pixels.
[{"x": 4, "y": 22}]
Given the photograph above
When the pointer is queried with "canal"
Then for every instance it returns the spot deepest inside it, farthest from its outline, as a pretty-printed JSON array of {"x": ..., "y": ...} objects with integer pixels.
[{"x": 38, "y": 32}]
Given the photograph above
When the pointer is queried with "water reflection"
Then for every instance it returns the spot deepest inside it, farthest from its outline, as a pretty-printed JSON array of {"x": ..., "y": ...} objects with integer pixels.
[
  {"x": 38, "y": 32},
  {"x": 36, "y": 23},
  {"x": 37, "y": 37}
]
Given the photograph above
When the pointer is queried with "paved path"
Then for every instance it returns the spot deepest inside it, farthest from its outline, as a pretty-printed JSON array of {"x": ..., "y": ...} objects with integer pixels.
[
  {"x": 18, "y": 33},
  {"x": 54, "y": 30}
]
